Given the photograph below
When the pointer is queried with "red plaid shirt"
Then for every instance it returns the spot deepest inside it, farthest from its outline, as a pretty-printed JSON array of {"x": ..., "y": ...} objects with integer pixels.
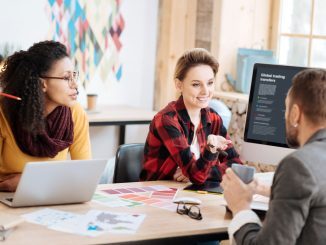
[{"x": 168, "y": 146}]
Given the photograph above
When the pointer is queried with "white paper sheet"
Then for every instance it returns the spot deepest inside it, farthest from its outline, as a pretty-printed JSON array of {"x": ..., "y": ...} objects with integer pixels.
[
  {"x": 49, "y": 217},
  {"x": 93, "y": 223},
  {"x": 97, "y": 222}
]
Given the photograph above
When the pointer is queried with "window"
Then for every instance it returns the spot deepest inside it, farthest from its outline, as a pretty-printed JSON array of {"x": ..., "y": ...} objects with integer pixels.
[{"x": 302, "y": 33}]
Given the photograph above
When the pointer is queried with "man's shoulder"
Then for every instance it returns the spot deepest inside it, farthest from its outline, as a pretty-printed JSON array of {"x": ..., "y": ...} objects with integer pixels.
[
  {"x": 306, "y": 162},
  {"x": 295, "y": 159},
  {"x": 310, "y": 154}
]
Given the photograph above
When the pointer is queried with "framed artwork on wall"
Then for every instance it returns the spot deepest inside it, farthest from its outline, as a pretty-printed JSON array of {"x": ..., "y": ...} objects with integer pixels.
[{"x": 91, "y": 30}]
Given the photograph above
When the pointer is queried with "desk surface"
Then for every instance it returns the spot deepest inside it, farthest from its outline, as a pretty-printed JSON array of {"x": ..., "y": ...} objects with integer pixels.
[
  {"x": 158, "y": 224},
  {"x": 120, "y": 113}
]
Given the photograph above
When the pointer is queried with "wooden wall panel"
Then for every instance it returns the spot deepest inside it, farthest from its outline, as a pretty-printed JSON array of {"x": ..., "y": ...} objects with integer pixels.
[
  {"x": 176, "y": 34},
  {"x": 220, "y": 26}
]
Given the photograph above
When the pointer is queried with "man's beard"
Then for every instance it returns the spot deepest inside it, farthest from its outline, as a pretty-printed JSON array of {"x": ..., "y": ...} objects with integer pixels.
[{"x": 292, "y": 136}]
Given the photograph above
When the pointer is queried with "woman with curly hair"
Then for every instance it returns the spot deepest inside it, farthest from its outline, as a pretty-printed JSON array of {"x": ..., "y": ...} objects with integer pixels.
[{"x": 46, "y": 123}]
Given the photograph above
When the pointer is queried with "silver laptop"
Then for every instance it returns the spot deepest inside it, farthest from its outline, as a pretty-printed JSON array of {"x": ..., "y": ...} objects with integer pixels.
[{"x": 56, "y": 182}]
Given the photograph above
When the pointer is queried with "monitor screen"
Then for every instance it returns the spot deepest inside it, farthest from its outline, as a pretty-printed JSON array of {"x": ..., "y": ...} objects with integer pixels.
[{"x": 265, "y": 122}]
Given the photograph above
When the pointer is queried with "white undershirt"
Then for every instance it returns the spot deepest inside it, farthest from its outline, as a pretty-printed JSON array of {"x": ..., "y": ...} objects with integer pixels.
[{"x": 194, "y": 147}]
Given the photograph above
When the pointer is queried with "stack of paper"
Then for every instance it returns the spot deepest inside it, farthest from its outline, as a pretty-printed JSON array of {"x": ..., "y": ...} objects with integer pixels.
[{"x": 259, "y": 202}]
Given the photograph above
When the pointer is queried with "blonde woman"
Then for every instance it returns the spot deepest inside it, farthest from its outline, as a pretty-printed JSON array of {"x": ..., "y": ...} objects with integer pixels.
[{"x": 187, "y": 139}]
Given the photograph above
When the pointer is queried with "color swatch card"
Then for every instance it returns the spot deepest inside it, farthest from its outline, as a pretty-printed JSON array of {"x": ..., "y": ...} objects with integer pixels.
[
  {"x": 157, "y": 196},
  {"x": 165, "y": 194},
  {"x": 165, "y": 205},
  {"x": 155, "y": 202},
  {"x": 114, "y": 201},
  {"x": 117, "y": 191}
]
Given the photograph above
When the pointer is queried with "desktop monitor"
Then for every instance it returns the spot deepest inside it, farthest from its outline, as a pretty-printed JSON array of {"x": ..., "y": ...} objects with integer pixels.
[{"x": 264, "y": 136}]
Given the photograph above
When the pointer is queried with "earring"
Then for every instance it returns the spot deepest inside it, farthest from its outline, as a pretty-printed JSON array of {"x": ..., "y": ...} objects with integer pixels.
[{"x": 295, "y": 125}]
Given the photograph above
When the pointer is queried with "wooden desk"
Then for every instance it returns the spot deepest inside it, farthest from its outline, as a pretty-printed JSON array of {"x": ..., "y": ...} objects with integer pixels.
[
  {"x": 119, "y": 115},
  {"x": 159, "y": 227}
]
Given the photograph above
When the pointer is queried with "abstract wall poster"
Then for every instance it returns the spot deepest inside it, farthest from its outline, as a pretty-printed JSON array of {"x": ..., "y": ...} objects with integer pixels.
[{"x": 91, "y": 30}]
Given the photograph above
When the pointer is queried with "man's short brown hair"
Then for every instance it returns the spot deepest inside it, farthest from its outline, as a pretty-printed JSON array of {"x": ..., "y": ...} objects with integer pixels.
[{"x": 309, "y": 92}]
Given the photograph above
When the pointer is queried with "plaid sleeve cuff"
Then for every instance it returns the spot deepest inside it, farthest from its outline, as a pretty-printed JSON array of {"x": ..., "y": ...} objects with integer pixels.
[
  {"x": 209, "y": 156},
  {"x": 240, "y": 219}
]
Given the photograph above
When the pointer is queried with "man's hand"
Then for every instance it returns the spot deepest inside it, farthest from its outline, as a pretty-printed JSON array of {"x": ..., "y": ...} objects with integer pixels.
[
  {"x": 9, "y": 182},
  {"x": 237, "y": 194},
  {"x": 178, "y": 176},
  {"x": 217, "y": 142}
]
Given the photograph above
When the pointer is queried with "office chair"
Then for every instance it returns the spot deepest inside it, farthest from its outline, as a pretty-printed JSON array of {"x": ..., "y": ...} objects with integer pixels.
[
  {"x": 128, "y": 163},
  {"x": 222, "y": 110}
]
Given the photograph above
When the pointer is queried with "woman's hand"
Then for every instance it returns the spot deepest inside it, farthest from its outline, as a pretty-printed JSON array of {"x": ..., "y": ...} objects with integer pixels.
[
  {"x": 217, "y": 143},
  {"x": 9, "y": 182},
  {"x": 178, "y": 176}
]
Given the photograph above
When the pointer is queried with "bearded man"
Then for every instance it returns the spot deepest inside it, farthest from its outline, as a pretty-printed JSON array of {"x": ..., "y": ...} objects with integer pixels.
[{"x": 297, "y": 207}]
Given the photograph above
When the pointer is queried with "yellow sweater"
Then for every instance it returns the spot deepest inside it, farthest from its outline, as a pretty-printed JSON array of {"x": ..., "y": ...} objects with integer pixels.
[{"x": 13, "y": 160}]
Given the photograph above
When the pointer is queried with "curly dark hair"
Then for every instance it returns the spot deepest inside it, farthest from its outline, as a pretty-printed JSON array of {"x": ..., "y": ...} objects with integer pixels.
[{"x": 20, "y": 76}]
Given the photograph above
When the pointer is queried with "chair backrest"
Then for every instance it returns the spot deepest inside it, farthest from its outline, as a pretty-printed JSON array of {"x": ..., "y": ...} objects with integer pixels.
[
  {"x": 222, "y": 110},
  {"x": 128, "y": 163}
]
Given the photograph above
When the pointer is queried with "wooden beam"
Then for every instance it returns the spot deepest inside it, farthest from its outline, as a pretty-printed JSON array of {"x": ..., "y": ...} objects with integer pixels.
[
  {"x": 216, "y": 34},
  {"x": 274, "y": 25},
  {"x": 176, "y": 35},
  {"x": 216, "y": 27}
]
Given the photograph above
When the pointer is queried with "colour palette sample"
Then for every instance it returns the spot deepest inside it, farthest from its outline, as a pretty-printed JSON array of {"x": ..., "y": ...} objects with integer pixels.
[
  {"x": 165, "y": 194},
  {"x": 156, "y": 196},
  {"x": 114, "y": 201},
  {"x": 126, "y": 190}
]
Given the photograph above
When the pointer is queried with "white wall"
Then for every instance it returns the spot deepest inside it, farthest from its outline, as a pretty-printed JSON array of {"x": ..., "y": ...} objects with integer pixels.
[
  {"x": 25, "y": 22},
  {"x": 136, "y": 87},
  {"x": 138, "y": 54}
]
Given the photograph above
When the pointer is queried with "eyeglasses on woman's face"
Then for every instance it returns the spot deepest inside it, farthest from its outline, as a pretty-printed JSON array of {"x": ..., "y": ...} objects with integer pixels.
[
  {"x": 192, "y": 211},
  {"x": 71, "y": 79}
]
